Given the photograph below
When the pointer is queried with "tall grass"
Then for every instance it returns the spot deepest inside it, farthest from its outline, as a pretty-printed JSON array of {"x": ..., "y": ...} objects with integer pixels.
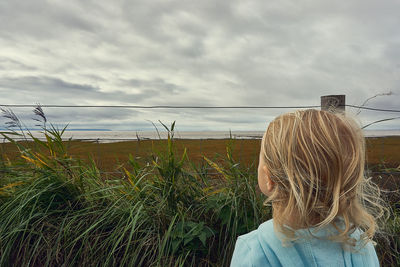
[{"x": 57, "y": 211}]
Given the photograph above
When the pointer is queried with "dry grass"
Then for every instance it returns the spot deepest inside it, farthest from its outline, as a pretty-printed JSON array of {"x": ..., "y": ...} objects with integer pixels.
[{"x": 382, "y": 151}]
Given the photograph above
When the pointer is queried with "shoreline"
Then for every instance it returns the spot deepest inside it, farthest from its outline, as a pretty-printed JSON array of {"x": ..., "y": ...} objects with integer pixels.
[
  {"x": 117, "y": 140},
  {"x": 118, "y": 136}
]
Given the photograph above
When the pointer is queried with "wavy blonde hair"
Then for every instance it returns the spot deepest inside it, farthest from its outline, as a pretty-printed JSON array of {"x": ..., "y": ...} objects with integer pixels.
[{"x": 316, "y": 159}]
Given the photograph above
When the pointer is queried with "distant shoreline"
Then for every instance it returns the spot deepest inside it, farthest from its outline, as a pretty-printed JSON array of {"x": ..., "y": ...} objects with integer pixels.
[{"x": 121, "y": 136}]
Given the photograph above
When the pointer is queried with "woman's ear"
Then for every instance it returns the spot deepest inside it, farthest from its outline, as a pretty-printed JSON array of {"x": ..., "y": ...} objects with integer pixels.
[{"x": 270, "y": 183}]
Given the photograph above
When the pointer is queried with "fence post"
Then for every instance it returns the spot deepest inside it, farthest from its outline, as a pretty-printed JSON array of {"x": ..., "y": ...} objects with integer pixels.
[{"x": 333, "y": 103}]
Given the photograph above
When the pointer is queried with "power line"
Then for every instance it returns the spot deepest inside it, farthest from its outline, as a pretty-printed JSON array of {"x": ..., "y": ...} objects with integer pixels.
[
  {"x": 183, "y": 107},
  {"x": 149, "y": 107},
  {"x": 376, "y": 109}
]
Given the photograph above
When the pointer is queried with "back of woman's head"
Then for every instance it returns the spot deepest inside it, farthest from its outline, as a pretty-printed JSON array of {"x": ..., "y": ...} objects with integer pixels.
[{"x": 316, "y": 159}]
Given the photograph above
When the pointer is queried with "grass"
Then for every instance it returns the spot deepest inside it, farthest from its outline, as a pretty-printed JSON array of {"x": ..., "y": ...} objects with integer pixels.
[
  {"x": 382, "y": 152},
  {"x": 56, "y": 209},
  {"x": 165, "y": 210}
]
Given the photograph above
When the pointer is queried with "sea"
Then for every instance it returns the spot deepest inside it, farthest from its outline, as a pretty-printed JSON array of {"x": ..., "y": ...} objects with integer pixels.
[{"x": 118, "y": 136}]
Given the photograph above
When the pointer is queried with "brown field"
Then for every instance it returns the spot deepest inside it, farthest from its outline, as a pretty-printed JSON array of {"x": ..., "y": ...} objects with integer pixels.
[{"x": 383, "y": 151}]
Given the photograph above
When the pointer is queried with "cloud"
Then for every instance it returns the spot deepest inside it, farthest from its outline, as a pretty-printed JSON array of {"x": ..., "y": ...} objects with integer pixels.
[
  {"x": 193, "y": 53},
  {"x": 41, "y": 20},
  {"x": 155, "y": 85},
  {"x": 8, "y": 63},
  {"x": 60, "y": 91},
  {"x": 42, "y": 83}
]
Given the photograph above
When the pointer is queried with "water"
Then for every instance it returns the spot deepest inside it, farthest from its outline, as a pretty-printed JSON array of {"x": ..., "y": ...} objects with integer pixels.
[{"x": 115, "y": 136}]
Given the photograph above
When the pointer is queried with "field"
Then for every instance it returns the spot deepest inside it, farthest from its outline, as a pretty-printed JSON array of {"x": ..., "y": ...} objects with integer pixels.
[
  {"x": 382, "y": 152},
  {"x": 160, "y": 203}
]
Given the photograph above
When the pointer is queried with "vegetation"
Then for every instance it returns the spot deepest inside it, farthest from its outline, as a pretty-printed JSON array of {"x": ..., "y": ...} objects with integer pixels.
[{"x": 57, "y": 210}]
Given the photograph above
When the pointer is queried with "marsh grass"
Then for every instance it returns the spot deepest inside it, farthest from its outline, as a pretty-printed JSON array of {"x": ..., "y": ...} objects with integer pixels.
[{"x": 56, "y": 210}]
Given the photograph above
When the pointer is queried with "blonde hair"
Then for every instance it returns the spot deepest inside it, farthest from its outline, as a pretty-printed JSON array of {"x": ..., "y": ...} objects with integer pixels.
[{"x": 316, "y": 159}]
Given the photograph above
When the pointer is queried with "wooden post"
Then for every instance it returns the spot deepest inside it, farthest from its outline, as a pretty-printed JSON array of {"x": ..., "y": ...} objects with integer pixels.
[{"x": 333, "y": 103}]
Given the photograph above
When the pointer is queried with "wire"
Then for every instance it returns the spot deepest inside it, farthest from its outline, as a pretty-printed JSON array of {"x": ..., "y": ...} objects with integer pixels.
[
  {"x": 375, "y": 109},
  {"x": 134, "y": 106},
  {"x": 200, "y": 107}
]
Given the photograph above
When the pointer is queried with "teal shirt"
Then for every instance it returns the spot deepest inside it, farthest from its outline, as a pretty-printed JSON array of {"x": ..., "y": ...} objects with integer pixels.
[{"x": 262, "y": 247}]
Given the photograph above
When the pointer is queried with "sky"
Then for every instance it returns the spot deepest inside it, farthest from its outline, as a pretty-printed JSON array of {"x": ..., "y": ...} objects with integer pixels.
[{"x": 197, "y": 53}]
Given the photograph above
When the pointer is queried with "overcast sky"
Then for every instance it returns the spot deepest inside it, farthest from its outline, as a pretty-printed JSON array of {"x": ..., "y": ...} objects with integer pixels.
[{"x": 212, "y": 53}]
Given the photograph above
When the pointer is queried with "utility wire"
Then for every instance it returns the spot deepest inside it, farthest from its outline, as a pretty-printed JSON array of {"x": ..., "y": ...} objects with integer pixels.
[
  {"x": 376, "y": 109},
  {"x": 136, "y": 106},
  {"x": 192, "y": 107}
]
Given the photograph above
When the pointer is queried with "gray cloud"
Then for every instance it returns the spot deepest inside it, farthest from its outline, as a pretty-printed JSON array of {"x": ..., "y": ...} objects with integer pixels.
[
  {"x": 40, "y": 20},
  {"x": 153, "y": 86},
  {"x": 42, "y": 83},
  {"x": 60, "y": 92},
  {"x": 210, "y": 53},
  {"x": 7, "y": 64}
]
